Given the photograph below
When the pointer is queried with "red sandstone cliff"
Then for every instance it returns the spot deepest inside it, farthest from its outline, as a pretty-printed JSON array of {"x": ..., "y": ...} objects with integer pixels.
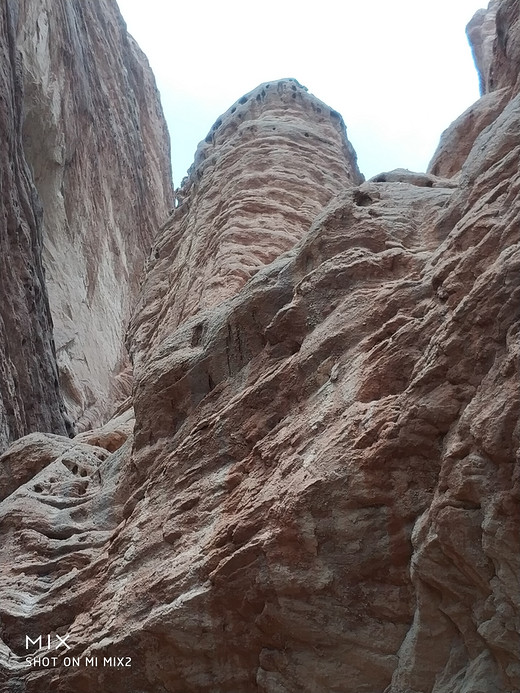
[{"x": 322, "y": 493}]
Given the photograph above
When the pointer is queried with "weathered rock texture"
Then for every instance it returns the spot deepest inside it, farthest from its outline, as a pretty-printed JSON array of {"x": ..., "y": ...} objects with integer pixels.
[
  {"x": 458, "y": 139},
  {"x": 481, "y": 32},
  {"x": 492, "y": 33},
  {"x": 267, "y": 167},
  {"x": 322, "y": 489},
  {"x": 96, "y": 140},
  {"x": 29, "y": 392},
  {"x": 505, "y": 68}
]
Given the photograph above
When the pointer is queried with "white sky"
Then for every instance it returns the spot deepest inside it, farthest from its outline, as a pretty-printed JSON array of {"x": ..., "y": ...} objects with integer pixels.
[{"x": 399, "y": 71}]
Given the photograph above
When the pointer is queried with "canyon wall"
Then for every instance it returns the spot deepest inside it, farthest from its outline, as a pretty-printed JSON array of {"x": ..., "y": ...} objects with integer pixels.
[
  {"x": 322, "y": 489},
  {"x": 29, "y": 393},
  {"x": 96, "y": 140},
  {"x": 481, "y": 32}
]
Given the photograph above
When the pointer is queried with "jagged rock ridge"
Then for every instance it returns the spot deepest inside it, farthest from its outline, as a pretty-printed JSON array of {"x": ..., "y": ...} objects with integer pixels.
[{"x": 323, "y": 489}]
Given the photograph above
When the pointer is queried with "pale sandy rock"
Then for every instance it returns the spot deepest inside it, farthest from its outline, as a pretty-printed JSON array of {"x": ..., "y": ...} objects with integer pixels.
[
  {"x": 112, "y": 435},
  {"x": 28, "y": 456},
  {"x": 64, "y": 517},
  {"x": 96, "y": 140}
]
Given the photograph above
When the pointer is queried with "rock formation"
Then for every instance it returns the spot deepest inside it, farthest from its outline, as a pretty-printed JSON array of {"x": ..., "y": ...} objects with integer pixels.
[
  {"x": 493, "y": 36},
  {"x": 96, "y": 140},
  {"x": 321, "y": 490},
  {"x": 481, "y": 32},
  {"x": 265, "y": 170},
  {"x": 30, "y": 399}
]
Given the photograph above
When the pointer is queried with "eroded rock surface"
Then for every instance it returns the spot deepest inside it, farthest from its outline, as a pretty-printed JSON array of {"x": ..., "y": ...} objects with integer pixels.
[
  {"x": 493, "y": 35},
  {"x": 322, "y": 492},
  {"x": 482, "y": 32},
  {"x": 458, "y": 139},
  {"x": 96, "y": 140},
  {"x": 29, "y": 394},
  {"x": 267, "y": 167}
]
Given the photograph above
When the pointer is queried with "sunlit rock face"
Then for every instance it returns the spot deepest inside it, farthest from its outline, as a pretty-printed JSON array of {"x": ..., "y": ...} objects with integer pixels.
[
  {"x": 321, "y": 491},
  {"x": 96, "y": 141},
  {"x": 29, "y": 392}
]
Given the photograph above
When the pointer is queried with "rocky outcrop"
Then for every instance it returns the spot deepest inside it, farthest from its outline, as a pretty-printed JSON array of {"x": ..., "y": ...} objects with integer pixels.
[
  {"x": 493, "y": 34},
  {"x": 321, "y": 491},
  {"x": 29, "y": 393},
  {"x": 458, "y": 139},
  {"x": 267, "y": 167},
  {"x": 482, "y": 32},
  {"x": 506, "y": 49},
  {"x": 95, "y": 138}
]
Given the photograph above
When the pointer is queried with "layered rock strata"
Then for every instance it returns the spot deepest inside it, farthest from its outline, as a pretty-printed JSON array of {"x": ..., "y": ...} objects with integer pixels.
[
  {"x": 96, "y": 140},
  {"x": 267, "y": 167},
  {"x": 322, "y": 491},
  {"x": 29, "y": 394}
]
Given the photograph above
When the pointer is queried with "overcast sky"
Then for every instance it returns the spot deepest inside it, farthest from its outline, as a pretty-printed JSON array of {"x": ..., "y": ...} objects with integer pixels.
[{"x": 398, "y": 71}]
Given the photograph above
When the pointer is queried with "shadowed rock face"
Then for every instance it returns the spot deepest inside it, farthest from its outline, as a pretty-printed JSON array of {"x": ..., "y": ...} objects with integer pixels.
[
  {"x": 29, "y": 393},
  {"x": 95, "y": 138},
  {"x": 322, "y": 488}
]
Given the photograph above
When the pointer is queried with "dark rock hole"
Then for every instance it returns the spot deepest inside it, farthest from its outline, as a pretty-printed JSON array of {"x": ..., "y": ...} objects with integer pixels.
[{"x": 362, "y": 199}]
